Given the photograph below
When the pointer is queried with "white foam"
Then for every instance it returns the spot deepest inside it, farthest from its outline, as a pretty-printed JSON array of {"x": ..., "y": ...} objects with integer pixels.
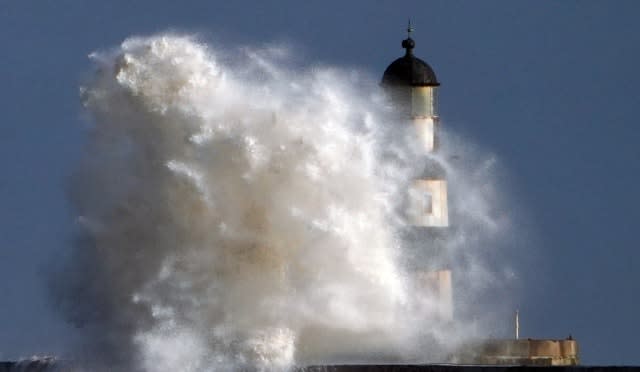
[{"x": 247, "y": 214}]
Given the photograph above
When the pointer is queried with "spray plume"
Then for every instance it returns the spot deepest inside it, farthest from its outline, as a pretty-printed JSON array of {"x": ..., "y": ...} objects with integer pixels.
[{"x": 245, "y": 216}]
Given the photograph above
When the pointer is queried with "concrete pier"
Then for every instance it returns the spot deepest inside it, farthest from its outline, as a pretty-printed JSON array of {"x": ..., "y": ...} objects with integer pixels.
[
  {"x": 464, "y": 368},
  {"x": 53, "y": 366}
]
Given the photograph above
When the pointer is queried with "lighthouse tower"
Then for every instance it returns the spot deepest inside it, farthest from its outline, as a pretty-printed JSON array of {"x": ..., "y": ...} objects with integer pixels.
[{"x": 413, "y": 88}]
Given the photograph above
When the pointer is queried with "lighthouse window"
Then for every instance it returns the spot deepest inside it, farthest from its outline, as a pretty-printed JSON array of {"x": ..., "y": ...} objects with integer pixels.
[
  {"x": 422, "y": 101},
  {"x": 427, "y": 202}
]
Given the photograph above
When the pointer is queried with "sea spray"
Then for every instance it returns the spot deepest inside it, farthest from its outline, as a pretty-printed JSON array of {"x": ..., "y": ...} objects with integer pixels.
[{"x": 239, "y": 214}]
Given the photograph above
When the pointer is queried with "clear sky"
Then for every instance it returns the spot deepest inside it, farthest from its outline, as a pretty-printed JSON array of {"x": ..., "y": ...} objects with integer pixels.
[{"x": 550, "y": 87}]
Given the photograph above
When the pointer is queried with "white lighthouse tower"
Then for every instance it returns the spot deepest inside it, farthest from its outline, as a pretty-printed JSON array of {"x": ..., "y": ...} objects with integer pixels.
[{"x": 413, "y": 87}]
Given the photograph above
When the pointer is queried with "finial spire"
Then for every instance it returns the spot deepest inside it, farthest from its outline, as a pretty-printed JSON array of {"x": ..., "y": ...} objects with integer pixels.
[{"x": 408, "y": 43}]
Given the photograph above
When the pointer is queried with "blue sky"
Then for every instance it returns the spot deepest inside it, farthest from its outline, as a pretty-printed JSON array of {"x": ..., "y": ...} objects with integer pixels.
[{"x": 550, "y": 87}]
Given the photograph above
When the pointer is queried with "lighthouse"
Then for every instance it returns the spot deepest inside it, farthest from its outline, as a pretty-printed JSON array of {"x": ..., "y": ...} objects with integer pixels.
[{"x": 412, "y": 86}]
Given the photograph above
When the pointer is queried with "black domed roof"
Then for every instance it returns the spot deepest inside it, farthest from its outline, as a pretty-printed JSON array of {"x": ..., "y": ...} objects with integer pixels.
[{"x": 409, "y": 70}]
